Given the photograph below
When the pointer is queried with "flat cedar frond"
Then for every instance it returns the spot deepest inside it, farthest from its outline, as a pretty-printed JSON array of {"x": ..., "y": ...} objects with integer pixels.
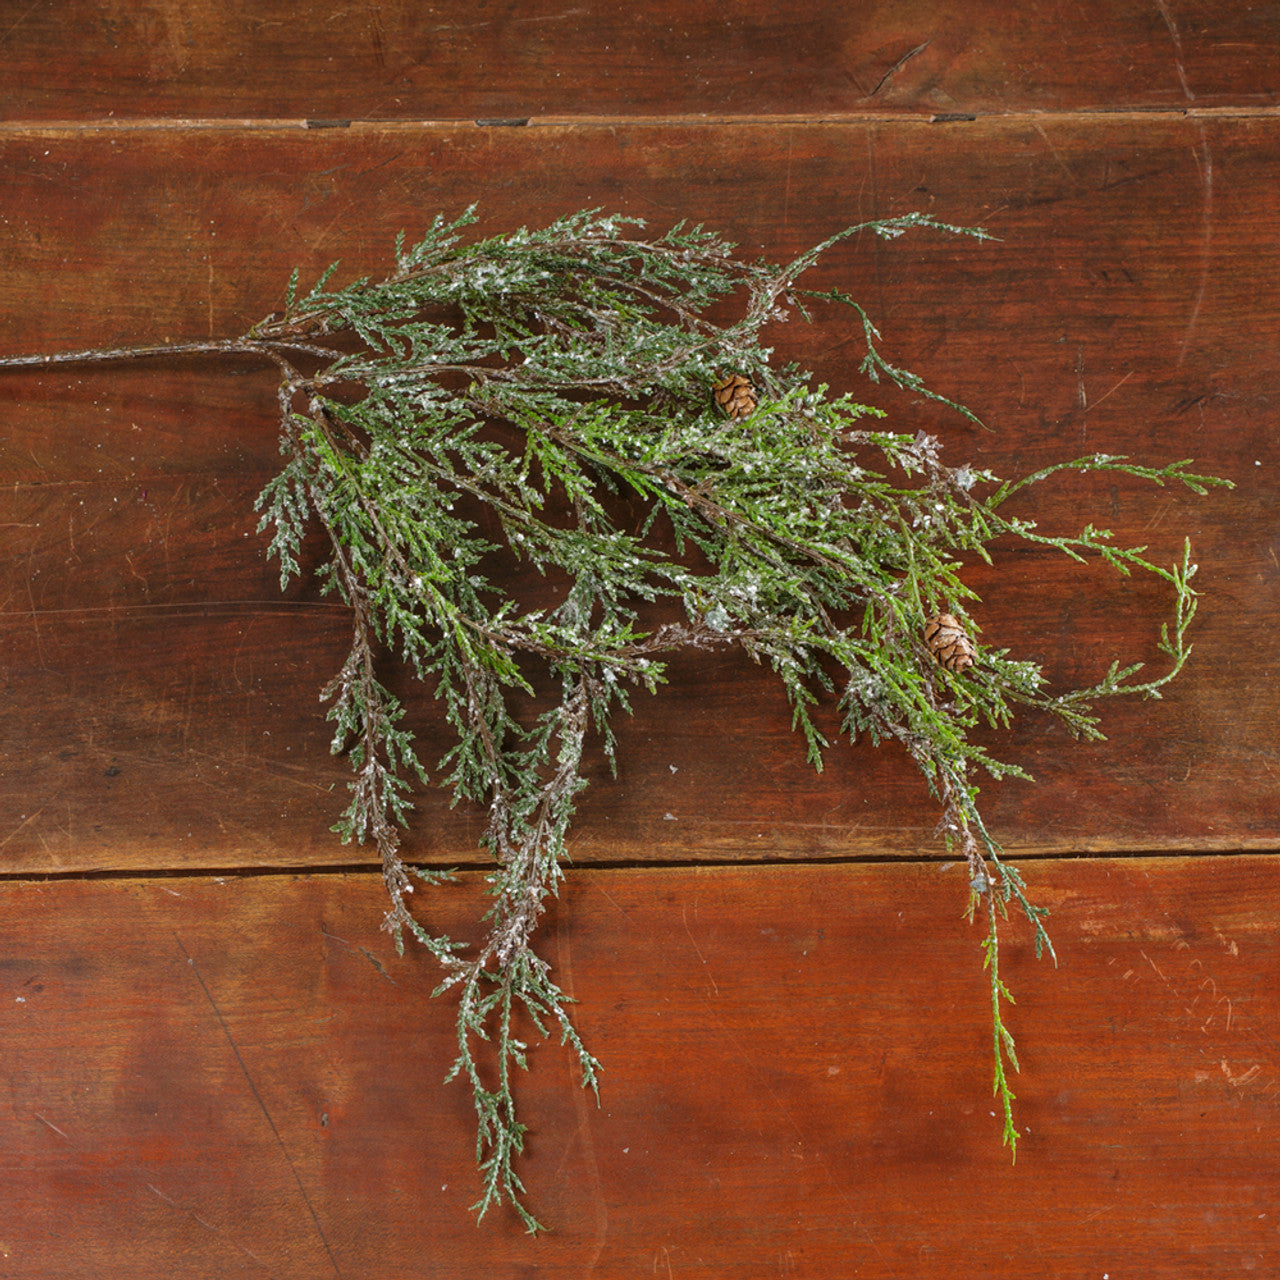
[{"x": 535, "y": 374}]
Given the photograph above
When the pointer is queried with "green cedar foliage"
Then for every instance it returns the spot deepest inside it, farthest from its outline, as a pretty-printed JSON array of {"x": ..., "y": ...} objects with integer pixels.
[{"x": 503, "y": 400}]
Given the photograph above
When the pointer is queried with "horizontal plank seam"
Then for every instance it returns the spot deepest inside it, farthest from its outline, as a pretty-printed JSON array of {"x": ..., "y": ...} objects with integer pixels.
[
  {"x": 158, "y": 611},
  {"x": 941, "y": 860},
  {"x": 18, "y": 128}
]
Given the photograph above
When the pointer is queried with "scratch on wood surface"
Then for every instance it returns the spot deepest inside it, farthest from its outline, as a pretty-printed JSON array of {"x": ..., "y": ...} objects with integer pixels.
[
  {"x": 262, "y": 1105},
  {"x": 488, "y": 22},
  {"x": 872, "y": 188},
  {"x": 1053, "y": 151},
  {"x": 1229, "y": 945},
  {"x": 21, "y": 18},
  {"x": 377, "y": 964},
  {"x": 50, "y": 1123},
  {"x": 786, "y": 188},
  {"x": 1216, "y": 999},
  {"x": 1114, "y": 388},
  {"x": 897, "y": 66},
  {"x": 564, "y": 955},
  {"x": 133, "y": 568},
  {"x": 1244, "y": 1078},
  {"x": 1176, "y": 37},
  {"x": 73, "y": 554},
  {"x": 378, "y": 36},
  {"x": 1216, "y": 1007},
  {"x": 553, "y": 17},
  {"x": 1161, "y": 975},
  {"x": 1204, "y": 161},
  {"x": 208, "y": 1226},
  {"x": 364, "y": 951},
  {"x": 35, "y": 624},
  {"x": 684, "y": 915},
  {"x": 613, "y": 902},
  {"x": 25, "y": 822},
  {"x": 1158, "y": 518},
  {"x": 188, "y": 707}
]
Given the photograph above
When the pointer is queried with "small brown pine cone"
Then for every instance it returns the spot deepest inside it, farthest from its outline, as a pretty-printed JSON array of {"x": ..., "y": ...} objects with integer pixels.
[
  {"x": 736, "y": 396},
  {"x": 949, "y": 642}
]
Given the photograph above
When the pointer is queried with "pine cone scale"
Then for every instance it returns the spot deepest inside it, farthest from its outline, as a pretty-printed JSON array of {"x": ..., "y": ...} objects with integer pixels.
[
  {"x": 949, "y": 642},
  {"x": 735, "y": 397}
]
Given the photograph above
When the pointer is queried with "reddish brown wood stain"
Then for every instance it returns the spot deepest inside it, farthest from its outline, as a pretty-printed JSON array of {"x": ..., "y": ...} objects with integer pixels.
[
  {"x": 212, "y": 1076},
  {"x": 400, "y": 60},
  {"x": 216, "y": 1076}
]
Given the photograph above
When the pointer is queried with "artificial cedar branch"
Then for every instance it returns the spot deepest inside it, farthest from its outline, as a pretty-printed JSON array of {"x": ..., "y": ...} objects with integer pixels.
[{"x": 594, "y": 351}]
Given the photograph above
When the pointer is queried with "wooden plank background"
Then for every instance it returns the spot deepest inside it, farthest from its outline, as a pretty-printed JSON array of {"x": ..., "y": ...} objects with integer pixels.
[{"x": 215, "y": 1064}]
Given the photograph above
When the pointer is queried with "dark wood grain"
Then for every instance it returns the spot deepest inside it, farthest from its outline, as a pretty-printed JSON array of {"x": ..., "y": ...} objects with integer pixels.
[
  {"x": 163, "y": 696},
  {"x": 212, "y": 1077},
  {"x": 396, "y": 59}
]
